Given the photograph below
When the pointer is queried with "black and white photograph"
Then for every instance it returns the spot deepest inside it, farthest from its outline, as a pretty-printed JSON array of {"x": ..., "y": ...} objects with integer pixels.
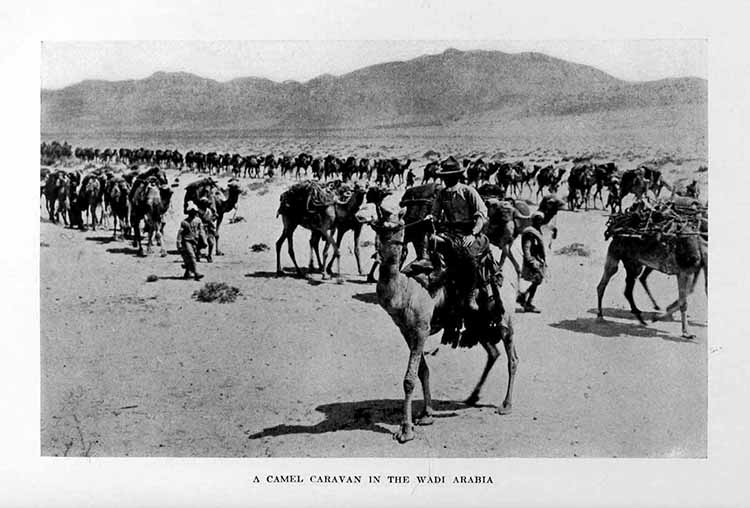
[
  {"x": 481, "y": 248},
  {"x": 338, "y": 253}
]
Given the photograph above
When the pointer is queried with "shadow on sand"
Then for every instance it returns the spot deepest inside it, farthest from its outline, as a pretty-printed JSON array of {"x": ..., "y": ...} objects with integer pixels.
[
  {"x": 103, "y": 240},
  {"x": 366, "y": 297},
  {"x": 613, "y": 329},
  {"x": 291, "y": 273},
  {"x": 288, "y": 272},
  {"x": 131, "y": 251},
  {"x": 648, "y": 316},
  {"x": 368, "y": 415}
]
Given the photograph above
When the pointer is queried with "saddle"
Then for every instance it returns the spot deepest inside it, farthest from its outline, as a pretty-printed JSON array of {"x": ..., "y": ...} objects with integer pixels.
[
  {"x": 450, "y": 266},
  {"x": 309, "y": 196}
]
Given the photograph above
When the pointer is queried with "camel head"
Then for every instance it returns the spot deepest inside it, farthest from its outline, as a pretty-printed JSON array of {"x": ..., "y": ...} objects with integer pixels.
[
  {"x": 387, "y": 215},
  {"x": 234, "y": 189},
  {"x": 387, "y": 219},
  {"x": 376, "y": 195},
  {"x": 549, "y": 206}
]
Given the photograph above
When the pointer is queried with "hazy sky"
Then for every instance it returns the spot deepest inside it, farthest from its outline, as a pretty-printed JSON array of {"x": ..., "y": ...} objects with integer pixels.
[{"x": 65, "y": 63}]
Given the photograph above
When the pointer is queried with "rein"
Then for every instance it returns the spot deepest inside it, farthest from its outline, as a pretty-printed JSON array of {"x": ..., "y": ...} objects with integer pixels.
[{"x": 398, "y": 227}]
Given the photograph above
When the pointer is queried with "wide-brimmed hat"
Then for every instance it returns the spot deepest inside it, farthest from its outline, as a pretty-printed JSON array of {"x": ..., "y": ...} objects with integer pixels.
[{"x": 448, "y": 167}]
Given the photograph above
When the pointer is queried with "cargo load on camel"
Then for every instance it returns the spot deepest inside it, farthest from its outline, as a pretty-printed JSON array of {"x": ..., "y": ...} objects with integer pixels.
[
  {"x": 661, "y": 221},
  {"x": 309, "y": 196}
]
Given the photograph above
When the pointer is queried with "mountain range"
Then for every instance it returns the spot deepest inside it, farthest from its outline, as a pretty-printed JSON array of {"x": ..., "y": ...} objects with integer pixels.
[{"x": 453, "y": 86}]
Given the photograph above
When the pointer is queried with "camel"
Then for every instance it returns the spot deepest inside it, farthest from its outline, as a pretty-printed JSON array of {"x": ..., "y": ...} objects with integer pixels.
[
  {"x": 222, "y": 200},
  {"x": 684, "y": 255},
  {"x": 418, "y": 202},
  {"x": 419, "y": 313},
  {"x": 225, "y": 200},
  {"x": 308, "y": 205},
  {"x": 526, "y": 177},
  {"x": 508, "y": 174},
  {"x": 58, "y": 199},
  {"x": 51, "y": 190},
  {"x": 149, "y": 202},
  {"x": 90, "y": 193},
  {"x": 507, "y": 221},
  {"x": 603, "y": 174},
  {"x": 430, "y": 172},
  {"x": 301, "y": 163},
  {"x": 346, "y": 206},
  {"x": 639, "y": 181},
  {"x": 476, "y": 171},
  {"x": 119, "y": 206},
  {"x": 580, "y": 181},
  {"x": 396, "y": 168},
  {"x": 548, "y": 177}
]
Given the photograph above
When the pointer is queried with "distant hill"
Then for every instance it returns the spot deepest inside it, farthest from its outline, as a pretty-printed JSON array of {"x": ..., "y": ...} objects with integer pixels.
[{"x": 429, "y": 90}]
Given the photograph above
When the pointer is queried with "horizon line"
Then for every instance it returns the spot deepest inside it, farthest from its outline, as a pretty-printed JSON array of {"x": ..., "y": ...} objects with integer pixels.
[{"x": 327, "y": 74}]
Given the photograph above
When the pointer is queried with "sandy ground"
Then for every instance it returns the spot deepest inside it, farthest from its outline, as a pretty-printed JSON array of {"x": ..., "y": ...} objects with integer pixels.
[{"x": 302, "y": 367}]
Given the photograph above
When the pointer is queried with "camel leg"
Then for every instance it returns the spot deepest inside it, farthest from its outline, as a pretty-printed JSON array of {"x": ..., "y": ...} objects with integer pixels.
[
  {"x": 492, "y": 356},
  {"x": 149, "y": 244},
  {"x": 329, "y": 241},
  {"x": 357, "y": 232},
  {"x": 290, "y": 245},
  {"x": 218, "y": 225},
  {"x": 610, "y": 269},
  {"x": 137, "y": 240},
  {"x": 631, "y": 273},
  {"x": 337, "y": 256},
  {"x": 317, "y": 252},
  {"x": 314, "y": 247},
  {"x": 159, "y": 237},
  {"x": 644, "y": 276},
  {"x": 510, "y": 351},
  {"x": 416, "y": 347},
  {"x": 683, "y": 279},
  {"x": 285, "y": 234},
  {"x": 103, "y": 217},
  {"x": 425, "y": 418},
  {"x": 515, "y": 264},
  {"x": 371, "y": 275}
]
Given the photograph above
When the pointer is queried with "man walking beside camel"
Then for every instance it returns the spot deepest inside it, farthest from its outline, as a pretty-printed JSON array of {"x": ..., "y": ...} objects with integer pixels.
[
  {"x": 534, "y": 261},
  {"x": 208, "y": 216},
  {"x": 190, "y": 238}
]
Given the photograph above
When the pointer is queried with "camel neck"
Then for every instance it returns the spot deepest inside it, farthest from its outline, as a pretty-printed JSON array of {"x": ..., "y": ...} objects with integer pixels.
[{"x": 391, "y": 258}]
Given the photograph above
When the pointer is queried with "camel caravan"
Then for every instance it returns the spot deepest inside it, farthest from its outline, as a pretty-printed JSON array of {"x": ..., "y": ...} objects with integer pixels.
[{"x": 451, "y": 219}]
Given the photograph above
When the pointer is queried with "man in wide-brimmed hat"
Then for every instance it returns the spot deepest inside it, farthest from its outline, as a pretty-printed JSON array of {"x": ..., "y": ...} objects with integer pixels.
[
  {"x": 190, "y": 238},
  {"x": 462, "y": 214}
]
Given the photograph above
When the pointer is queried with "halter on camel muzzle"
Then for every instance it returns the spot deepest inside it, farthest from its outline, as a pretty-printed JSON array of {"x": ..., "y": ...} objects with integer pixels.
[{"x": 379, "y": 226}]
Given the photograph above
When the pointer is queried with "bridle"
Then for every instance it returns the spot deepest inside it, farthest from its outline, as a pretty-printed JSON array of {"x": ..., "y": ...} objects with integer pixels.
[{"x": 394, "y": 228}]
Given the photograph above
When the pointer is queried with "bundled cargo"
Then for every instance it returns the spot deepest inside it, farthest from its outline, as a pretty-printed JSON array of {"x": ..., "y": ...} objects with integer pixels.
[
  {"x": 308, "y": 196},
  {"x": 661, "y": 219}
]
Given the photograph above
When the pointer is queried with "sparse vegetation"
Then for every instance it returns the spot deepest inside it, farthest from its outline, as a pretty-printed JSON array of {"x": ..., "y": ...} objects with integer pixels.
[
  {"x": 259, "y": 247},
  {"x": 216, "y": 291},
  {"x": 574, "y": 249}
]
